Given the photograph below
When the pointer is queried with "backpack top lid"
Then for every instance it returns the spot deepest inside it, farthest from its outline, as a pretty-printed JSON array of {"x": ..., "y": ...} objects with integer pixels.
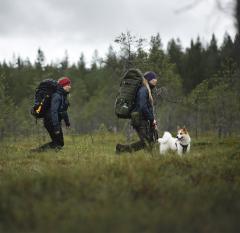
[
  {"x": 48, "y": 85},
  {"x": 133, "y": 73}
]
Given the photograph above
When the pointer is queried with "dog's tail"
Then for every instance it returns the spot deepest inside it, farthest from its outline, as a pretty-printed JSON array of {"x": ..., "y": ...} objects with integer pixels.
[{"x": 166, "y": 136}]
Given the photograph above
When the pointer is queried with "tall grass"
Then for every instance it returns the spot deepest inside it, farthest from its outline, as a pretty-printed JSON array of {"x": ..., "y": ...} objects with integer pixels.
[{"x": 86, "y": 187}]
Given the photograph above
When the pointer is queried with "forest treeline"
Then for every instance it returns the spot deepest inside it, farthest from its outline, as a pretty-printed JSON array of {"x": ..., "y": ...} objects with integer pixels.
[{"x": 201, "y": 86}]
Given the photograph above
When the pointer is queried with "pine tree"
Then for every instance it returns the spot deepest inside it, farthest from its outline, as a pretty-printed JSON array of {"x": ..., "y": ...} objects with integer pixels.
[
  {"x": 193, "y": 71},
  {"x": 236, "y": 50},
  {"x": 128, "y": 45},
  {"x": 227, "y": 48},
  {"x": 174, "y": 51},
  {"x": 212, "y": 59},
  {"x": 65, "y": 62},
  {"x": 95, "y": 63},
  {"x": 81, "y": 65},
  {"x": 7, "y": 115},
  {"x": 40, "y": 60}
]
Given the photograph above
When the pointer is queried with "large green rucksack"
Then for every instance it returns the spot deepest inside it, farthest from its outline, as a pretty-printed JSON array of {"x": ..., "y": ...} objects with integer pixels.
[{"x": 132, "y": 80}]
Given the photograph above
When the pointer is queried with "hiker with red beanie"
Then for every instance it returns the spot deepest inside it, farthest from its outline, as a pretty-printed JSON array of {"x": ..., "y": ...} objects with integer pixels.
[{"x": 56, "y": 113}]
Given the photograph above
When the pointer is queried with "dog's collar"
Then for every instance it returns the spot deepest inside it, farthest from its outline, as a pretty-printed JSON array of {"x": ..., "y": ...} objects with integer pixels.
[{"x": 183, "y": 146}]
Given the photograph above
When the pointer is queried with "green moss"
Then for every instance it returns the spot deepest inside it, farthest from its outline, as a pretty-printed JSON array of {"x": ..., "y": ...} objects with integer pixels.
[{"x": 86, "y": 187}]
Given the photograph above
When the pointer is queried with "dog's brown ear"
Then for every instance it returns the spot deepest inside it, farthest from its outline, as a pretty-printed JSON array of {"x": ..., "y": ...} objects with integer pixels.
[{"x": 184, "y": 128}]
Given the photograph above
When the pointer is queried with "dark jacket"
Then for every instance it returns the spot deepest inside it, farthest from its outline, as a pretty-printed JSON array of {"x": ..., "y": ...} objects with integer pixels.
[
  {"x": 143, "y": 105},
  {"x": 58, "y": 109}
]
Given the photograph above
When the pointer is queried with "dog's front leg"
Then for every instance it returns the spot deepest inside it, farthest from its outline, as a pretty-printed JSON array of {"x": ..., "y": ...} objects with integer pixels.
[
  {"x": 179, "y": 150},
  {"x": 161, "y": 149}
]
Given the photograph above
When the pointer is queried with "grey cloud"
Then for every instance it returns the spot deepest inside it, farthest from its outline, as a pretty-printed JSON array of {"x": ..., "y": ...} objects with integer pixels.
[
  {"x": 33, "y": 18},
  {"x": 84, "y": 24},
  {"x": 86, "y": 20}
]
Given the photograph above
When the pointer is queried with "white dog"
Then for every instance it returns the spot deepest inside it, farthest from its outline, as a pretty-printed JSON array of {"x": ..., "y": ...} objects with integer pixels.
[{"x": 181, "y": 143}]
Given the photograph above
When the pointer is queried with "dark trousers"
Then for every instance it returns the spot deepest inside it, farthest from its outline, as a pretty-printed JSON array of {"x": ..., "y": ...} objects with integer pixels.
[
  {"x": 57, "y": 139},
  {"x": 146, "y": 135}
]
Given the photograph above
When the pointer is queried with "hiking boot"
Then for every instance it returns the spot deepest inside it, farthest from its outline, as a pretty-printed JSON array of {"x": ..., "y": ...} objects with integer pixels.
[
  {"x": 122, "y": 148},
  {"x": 118, "y": 149},
  {"x": 57, "y": 148},
  {"x": 46, "y": 147},
  {"x": 34, "y": 150}
]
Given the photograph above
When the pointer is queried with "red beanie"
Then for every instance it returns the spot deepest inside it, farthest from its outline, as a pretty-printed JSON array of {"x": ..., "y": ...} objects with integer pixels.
[{"x": 64, "y": 81}]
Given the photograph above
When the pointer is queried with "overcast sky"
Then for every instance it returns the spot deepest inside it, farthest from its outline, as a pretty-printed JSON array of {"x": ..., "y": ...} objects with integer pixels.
[{"x": 85, "y": 25}]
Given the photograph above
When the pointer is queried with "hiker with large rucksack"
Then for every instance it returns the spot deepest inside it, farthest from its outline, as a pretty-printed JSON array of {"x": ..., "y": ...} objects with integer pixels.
[
  {"x": 135, "y": 102},
  {"x": 51, "y": 104}
]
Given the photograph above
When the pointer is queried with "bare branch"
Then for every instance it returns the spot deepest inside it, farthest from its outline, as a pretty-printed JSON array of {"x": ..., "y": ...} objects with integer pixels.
[
  {"x": 223, "y": 6},
  {"x": 188, "y": 7},
  {"x": 226, "y": 8}
]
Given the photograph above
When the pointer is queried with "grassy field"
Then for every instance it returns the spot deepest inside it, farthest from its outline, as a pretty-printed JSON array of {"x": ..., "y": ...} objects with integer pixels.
[{"x": 87, "y": 188}]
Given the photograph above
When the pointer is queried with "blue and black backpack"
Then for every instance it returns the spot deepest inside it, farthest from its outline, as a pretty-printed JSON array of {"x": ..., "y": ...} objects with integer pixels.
[{"x": 42, "y": 99}]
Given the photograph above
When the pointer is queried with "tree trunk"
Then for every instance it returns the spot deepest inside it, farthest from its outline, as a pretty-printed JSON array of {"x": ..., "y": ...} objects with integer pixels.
[{"x": 237, "y": 15}]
